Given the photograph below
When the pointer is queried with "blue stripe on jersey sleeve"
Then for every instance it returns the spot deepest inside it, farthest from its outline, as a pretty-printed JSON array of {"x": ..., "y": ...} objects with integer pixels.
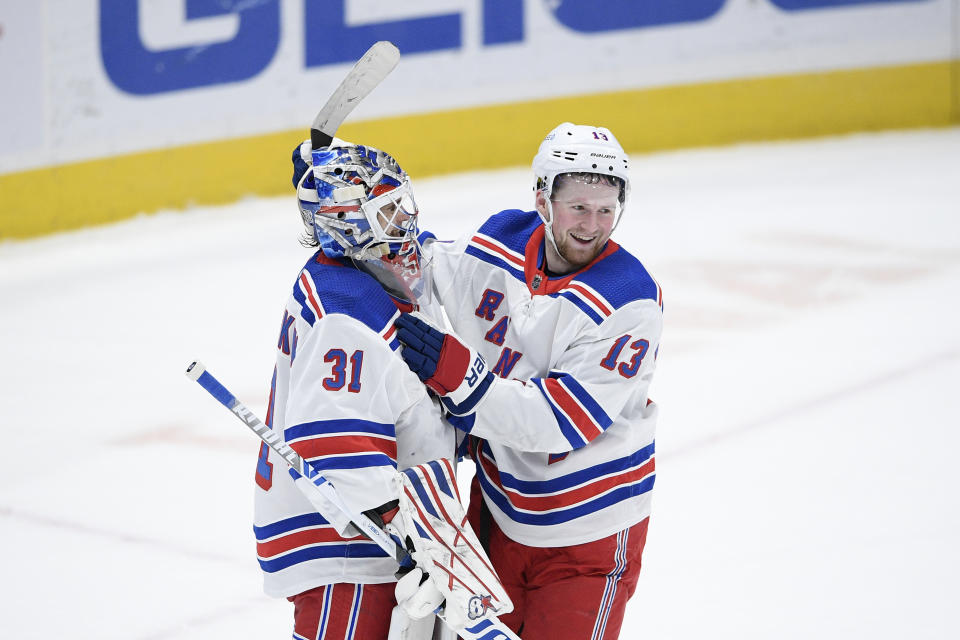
[
  {"x": 566, "y": 427},
  {"x": 330, "y": 427},
  {"x": 360, "y": 461},
  {"x": 289, "y": 524},
  {"x": 581, "y": 394}
]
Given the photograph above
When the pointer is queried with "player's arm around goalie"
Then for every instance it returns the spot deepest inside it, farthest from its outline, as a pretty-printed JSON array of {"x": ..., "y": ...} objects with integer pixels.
[
  {"x": 597, "y": 372},
  {"x": 601, "y": 378}
]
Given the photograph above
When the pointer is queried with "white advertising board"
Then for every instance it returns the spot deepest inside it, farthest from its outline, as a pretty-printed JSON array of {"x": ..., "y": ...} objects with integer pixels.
[{"x": 86, "y": 79}]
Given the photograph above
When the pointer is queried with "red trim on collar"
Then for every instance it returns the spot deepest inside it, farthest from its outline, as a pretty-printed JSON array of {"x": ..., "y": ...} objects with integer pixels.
[
  {"x": 547, "y": 285},
  {"x": 404, "y": 307},
  {"x": 332, "y": 262}
]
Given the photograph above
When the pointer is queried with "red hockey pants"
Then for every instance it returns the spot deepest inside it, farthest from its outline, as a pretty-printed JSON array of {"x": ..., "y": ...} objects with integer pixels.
[
  {"x": 565, "y": 593},
  {"x": 343, "y": 612}
]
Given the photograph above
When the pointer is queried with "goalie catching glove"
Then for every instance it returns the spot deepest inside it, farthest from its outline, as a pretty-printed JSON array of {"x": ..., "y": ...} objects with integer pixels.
[
  {"x": 454, "y": 371},
  {"x": 452, "y": 567}
]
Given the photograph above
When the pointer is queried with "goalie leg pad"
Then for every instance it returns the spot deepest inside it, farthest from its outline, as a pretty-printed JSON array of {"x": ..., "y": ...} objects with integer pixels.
[{"x": 447, "y": 548}]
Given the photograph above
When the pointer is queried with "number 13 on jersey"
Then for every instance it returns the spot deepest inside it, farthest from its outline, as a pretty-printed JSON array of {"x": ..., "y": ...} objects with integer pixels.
[{"x": 627, "y": 369}]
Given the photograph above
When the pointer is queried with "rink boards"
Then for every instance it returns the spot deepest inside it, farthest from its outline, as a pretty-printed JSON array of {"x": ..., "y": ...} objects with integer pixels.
[{"x": 129, "y": 107}]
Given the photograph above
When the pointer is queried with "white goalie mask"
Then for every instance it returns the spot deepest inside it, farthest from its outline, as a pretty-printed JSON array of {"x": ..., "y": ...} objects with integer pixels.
[
  {"x": 356, "y": 202},
  {"x": 573, "y": 148}
]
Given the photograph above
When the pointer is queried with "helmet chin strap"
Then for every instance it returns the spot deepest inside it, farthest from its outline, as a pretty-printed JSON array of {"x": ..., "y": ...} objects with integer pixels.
[{"x": 548, "y": 227}]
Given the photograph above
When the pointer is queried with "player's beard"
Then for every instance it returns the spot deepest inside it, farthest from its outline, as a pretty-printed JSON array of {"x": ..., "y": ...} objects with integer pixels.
[{"x": 577, "y": 254}]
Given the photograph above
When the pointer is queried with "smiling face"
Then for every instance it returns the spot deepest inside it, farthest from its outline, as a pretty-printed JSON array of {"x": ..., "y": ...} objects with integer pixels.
[{"x": 584, "y": 214}]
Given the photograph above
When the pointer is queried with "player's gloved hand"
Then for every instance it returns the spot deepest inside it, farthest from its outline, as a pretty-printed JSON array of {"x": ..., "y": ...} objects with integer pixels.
[
  {"x": 417, "y": 595},
  {"x": 454, "y": 371},
  {"x": 302, "y": 160}
]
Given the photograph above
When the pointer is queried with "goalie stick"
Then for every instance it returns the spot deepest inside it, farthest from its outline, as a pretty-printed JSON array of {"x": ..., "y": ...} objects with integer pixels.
[
  {"x": 486, "y": 629},
  {"x": 197, "y": 372},
  {"x": 366, "y": 74}
]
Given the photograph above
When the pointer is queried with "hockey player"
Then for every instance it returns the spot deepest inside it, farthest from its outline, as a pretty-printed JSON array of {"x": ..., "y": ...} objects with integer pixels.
[
  {"x": 561, "y": 426},
  {"x": 342, "y": 398}
]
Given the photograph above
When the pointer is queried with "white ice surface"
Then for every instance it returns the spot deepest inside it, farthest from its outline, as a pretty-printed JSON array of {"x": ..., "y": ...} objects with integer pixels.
[{"x": 809, "y": 385}]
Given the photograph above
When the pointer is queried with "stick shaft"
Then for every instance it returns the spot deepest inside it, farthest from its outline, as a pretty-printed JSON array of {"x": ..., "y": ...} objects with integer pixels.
[
  {"x": 488, "y": 629},
  {"x": 197, "y": 372}
]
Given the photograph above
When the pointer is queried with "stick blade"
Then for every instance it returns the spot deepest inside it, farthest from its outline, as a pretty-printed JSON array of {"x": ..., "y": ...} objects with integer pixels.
[{"x": 366, "y": 74}]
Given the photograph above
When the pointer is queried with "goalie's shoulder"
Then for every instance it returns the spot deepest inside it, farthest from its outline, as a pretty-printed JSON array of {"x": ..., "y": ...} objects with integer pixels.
[{"x": 328, "y": 287}]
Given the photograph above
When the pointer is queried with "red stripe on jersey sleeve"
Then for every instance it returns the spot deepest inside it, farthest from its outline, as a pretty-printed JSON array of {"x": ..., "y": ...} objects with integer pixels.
[
  {"x": 308, "y": 291},
  {"x": 389, "y": 334},
  {"x": 582, "y": 420},
  {"x": 600, "y": 304}
]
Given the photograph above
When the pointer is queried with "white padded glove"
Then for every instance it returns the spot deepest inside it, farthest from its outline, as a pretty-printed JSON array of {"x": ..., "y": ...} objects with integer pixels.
[{"x": 417, "y": 595}]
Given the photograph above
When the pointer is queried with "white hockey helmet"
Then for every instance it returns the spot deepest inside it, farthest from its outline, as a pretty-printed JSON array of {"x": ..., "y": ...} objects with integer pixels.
[{"x": 577, "y": 148}]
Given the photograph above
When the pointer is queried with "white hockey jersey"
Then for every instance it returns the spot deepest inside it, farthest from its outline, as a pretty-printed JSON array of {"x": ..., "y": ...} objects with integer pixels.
[
  {"x": 564, "y": 443},
  {"x": 346, "y": 402}
]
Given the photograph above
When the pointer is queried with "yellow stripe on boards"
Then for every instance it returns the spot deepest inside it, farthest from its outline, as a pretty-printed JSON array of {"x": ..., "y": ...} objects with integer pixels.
[{"x": 771, "y": 108}]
